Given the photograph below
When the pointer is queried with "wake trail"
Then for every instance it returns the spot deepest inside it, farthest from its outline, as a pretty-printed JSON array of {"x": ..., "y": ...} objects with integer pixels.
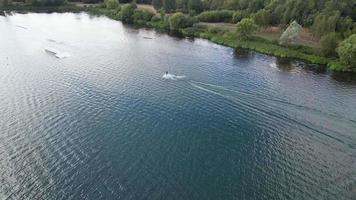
[
  {"x": 277, "y": 100},
  {"x": 247, "y": 103}
]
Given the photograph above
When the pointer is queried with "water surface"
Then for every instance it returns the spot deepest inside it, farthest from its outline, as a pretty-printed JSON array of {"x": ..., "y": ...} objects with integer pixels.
[{"x": 101, "y": 122}]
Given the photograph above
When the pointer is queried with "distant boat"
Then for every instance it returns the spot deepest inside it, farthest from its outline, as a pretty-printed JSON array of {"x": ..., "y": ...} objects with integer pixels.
[{"x": 149, "y": 38}]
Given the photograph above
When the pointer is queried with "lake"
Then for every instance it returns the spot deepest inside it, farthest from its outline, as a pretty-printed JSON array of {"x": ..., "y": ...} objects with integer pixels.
[{"x": 86, "y": 113}]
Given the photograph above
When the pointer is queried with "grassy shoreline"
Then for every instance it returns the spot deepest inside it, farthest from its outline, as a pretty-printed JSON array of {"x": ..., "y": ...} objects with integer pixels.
[{"x": 229, "y": 39}]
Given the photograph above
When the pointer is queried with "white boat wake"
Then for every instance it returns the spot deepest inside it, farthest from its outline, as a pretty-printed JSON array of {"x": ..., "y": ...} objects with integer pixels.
[{"x": 172, "y": 77}]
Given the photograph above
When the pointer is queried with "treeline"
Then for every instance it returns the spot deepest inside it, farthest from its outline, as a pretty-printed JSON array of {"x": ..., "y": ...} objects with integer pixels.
[
  {"x": 332, "y": 21},
  {"x": 322, "y": 16}
]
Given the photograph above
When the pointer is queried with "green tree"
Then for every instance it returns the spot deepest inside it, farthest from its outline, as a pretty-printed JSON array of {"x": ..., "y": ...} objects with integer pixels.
[
  {"x": 291, "y": 34},
  {"x": 111, "y": 4},
  {"x": 182, "y": 4},
  {"x": 347, "y": 52},
  {"x": 126, "y": 13},
  {"x": 329, "y": 44},
  {"x": 325, "y": 23},
  {"x": 47, "y": 2},
  {"x": 157, "y": 4},
  {"x": 216, "y": 16},
  {"x": 246, "y": 28},
  {"x": 142, "y": 16},
  {"x": 178, "y": 21},
  {"x": 237, "y": 16},
  {"x": 195, "y": 5},
  {"x": 169, "y": 5},
  {"x": 262, "y": 17},
  {"x": 345, "y": 26}
]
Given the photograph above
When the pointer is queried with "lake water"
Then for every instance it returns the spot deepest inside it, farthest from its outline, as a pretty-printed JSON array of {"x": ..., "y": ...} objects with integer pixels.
[{"x": 87, "y": 114}]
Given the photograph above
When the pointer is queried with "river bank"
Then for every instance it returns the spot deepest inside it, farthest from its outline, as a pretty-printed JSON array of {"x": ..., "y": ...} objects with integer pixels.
[{"x": 222, "y": 37}]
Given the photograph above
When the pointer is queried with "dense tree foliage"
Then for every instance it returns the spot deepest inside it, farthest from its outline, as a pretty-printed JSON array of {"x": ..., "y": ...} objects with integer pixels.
[
  {"x": 323, "y": 16},
  {"x": 347, "y": 52},
  {"x": 237, "y": 16},
  {"x": 141, "y": 16},
  {"x": 263, "y": 17},
  {"x": 329, "y": 44},
  {"x": 195, "y": 5},
  {"x": 126, "y": 13},
  {"x": 157, "y": 4},
  {"x": 179, "y": 20},
  {"x": 111, "y": 4},
  {"x": 169, "y": 5},
  {"x": 47, "y": 2},
  {"x": 216, "y": 16},
  {"x": 246, "y": 28}
]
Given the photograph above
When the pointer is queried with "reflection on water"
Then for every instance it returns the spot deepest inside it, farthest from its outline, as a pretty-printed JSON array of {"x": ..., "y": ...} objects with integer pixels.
[
  {"x": 240, "y": 53},
  {"x": 285, "y": 64},
  {"x": 346, "y": 77},
  {"x": 104, "y": 123}
]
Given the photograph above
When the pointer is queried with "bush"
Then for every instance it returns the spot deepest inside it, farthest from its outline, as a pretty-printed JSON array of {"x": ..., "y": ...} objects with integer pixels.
[
  {"x": 216, "y": 16},
  {"x": 246, "y": 28},
  {"x": 179, "y": 20},
  {"x": 142, "y": 16},
  {"x": 111, "y": 4},
  {"x": 156, "y": 18},
  {"x": 126, "y": 13},
  {"x": 329, "y": 44},
  {"x": 193, "y": 31},
  {"x": 47, "y": 2},
  {"x": 237, "y": 17},
  {"x": 347, "y": 52},
  {"x": 217, "y": 30}
]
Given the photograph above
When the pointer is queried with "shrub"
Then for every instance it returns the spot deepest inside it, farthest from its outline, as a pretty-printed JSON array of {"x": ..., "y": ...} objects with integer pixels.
[
  {"x": 329, "y": 44},
  {"x": 246, "y": 28},
  {"x": 237, "y": 17},
  {"x": 126, "y": 13},
  {"x": 193, "y": 31},
  {"x": 141, "y": 16},
  {"x": 216, "y": 16},
  {"x": 217, "y": 30},
  {"x": 179, "y": 20},
  {"x": 347, "y": 52},
  {"x": 111, "y": 4},
  {"x": 156, "y": 18}
]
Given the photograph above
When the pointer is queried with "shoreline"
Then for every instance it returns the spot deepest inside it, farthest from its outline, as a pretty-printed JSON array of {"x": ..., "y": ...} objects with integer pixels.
[{"x": 257, "y": 44}]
